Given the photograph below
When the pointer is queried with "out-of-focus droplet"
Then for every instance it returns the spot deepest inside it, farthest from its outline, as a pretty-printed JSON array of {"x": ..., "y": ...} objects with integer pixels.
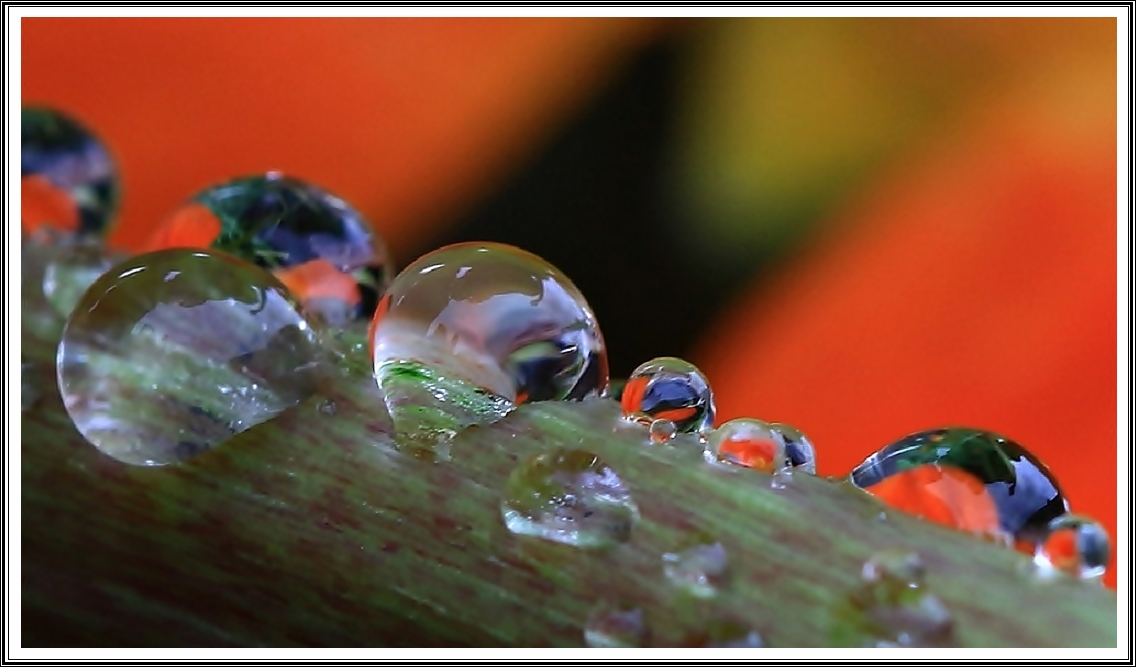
[
  {"x": 568, "y": 496},
  {"x": 1075, "y": 545},
  {"x": 615, "y": 625},
  {"x": 322, "y": 249},
  {"x": 893, "y": 606},
  {"x": 69, "y": 185},
  {"x": 762, "y": 446},
  {"x": 698, "y": 564},
  {"x": 491, "y": 316},
  {"x": 173, "y": 352},
  {"x": 328, "y": 407},
  {"x": 73, "y": 268},
  {"x": 29, "y": 388},
  {"x": 968, "y": 479},
  {"x": 671, "y": 389},
  {"x": 662, "y": 431}
]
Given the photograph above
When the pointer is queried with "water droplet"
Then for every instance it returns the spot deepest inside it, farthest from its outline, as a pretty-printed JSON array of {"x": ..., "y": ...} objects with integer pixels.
[
  {"x": 29, "y": 386},
  {"x": 892, "y": 606},
  {"x": 69, "y": 184},
  {"x": 662, "y": 431},
  {"x": 1075, "y": 545},
  {"x": 143, "y": 359},
  {"x": 568, "y": 496},
  {"x": 492, "y": 316},
  {"x": 615, "y": 625},
  {"x": 782, "y": 477},
  {"x": 698, "y": 564},
  {"x": 316, "y": 244},
  {"x": 74, "y": 268},
  {"x": 671, "y": 389},
  {"x": 967, "y": 479},
  {"x": 762, "y": 446},
  {"x": 726, "y": 633},
  {"x": 328, "y": 407}
]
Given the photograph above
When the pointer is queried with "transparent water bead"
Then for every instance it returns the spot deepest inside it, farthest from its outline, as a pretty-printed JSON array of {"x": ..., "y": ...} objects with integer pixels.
[
  {"x": 1075, "y": 545},
  {"x": 615, "y": 625},
  {"x": 753, "y": 443},
  {"x": 315, "y": 243},
  {"x": 69, "y": 185},
  {"x": 968, "y": 479},
  {"x": 893, "y": 606},
  {"x": 173, "y": 352},
  {"x": 670, "y": 389},
  {"x": 73, "y": 268},
  {"x": 697, "y": 564},
  {"x": 491, "y": 316},
  {"x": 571, "y": 497}
]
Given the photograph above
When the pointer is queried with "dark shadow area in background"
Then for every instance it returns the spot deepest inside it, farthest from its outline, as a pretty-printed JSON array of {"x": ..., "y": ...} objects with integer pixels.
[{"x": 593, "y": 202}]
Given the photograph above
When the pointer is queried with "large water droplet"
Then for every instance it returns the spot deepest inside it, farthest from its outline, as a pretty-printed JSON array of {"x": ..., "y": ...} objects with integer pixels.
[
  {"x": 1075, "y": 545},
  {"x": 670, "y": 389},
  {"x": 73, "y": 268},
  {"x": 316, "y": 244},
  {"x": 968, "y": 479},
  {"x": 698, "y": 564},
  {"x": 762, "y": 446},
  {"x": 615, "y": 625},
  {"x": 568, "y": 496},
  {"x": 171, "y": 353},
  {"x": 492, "y": 316},
  {"x": 69, "y": 186},
  {"x": 893, "y": 607}
]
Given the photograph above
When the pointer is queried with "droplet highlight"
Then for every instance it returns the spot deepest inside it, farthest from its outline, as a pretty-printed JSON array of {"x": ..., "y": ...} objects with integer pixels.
[
  {"x": 671, "y": 389},
  {"x": 968, "y": 479},
  {"x": 615, "y": 625},
  {"x": 319, "y": 246},
  {"x": 1074, "y": 545},
  {"x": 571, "y": 497},
  {"x": 489, "y": 316},
  {"x": 171, "y": 353}
]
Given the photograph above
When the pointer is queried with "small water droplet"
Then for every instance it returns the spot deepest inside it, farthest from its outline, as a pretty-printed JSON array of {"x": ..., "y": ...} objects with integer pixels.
[
  {"x": 321, "y": 248},
  {"x": 1074, "y": 545},
  {"x": 512, "y": 325},
  {"x": 615, "y": 625},
  {"x": 662, "y": 431},
  {"x": 967, "y": 479},
  {"x": 73, "y": 268},
  {"x": 755, "y": 444},
  {"x": 781, "y": 478},
  {"x": 671, "y": 389},
  {"x": 222, "y": 323},
  {"x": 568, "y": 496},
  {"x": 328, "y": 407},
  {"x": 698, "y": 564},
  {"x": 29, "y": 389},
  {"x": 893, "y": 607}
]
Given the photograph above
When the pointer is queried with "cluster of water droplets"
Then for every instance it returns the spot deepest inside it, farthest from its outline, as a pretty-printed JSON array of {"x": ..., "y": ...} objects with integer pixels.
[{"x": 253, "y": 289}]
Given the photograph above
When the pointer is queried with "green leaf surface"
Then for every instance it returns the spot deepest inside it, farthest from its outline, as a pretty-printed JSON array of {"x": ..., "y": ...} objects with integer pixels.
[{"x": 318, "y": 529}]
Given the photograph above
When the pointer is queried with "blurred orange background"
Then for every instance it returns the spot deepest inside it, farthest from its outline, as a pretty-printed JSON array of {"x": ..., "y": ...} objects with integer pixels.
[{"x": 923, "y": 211}]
